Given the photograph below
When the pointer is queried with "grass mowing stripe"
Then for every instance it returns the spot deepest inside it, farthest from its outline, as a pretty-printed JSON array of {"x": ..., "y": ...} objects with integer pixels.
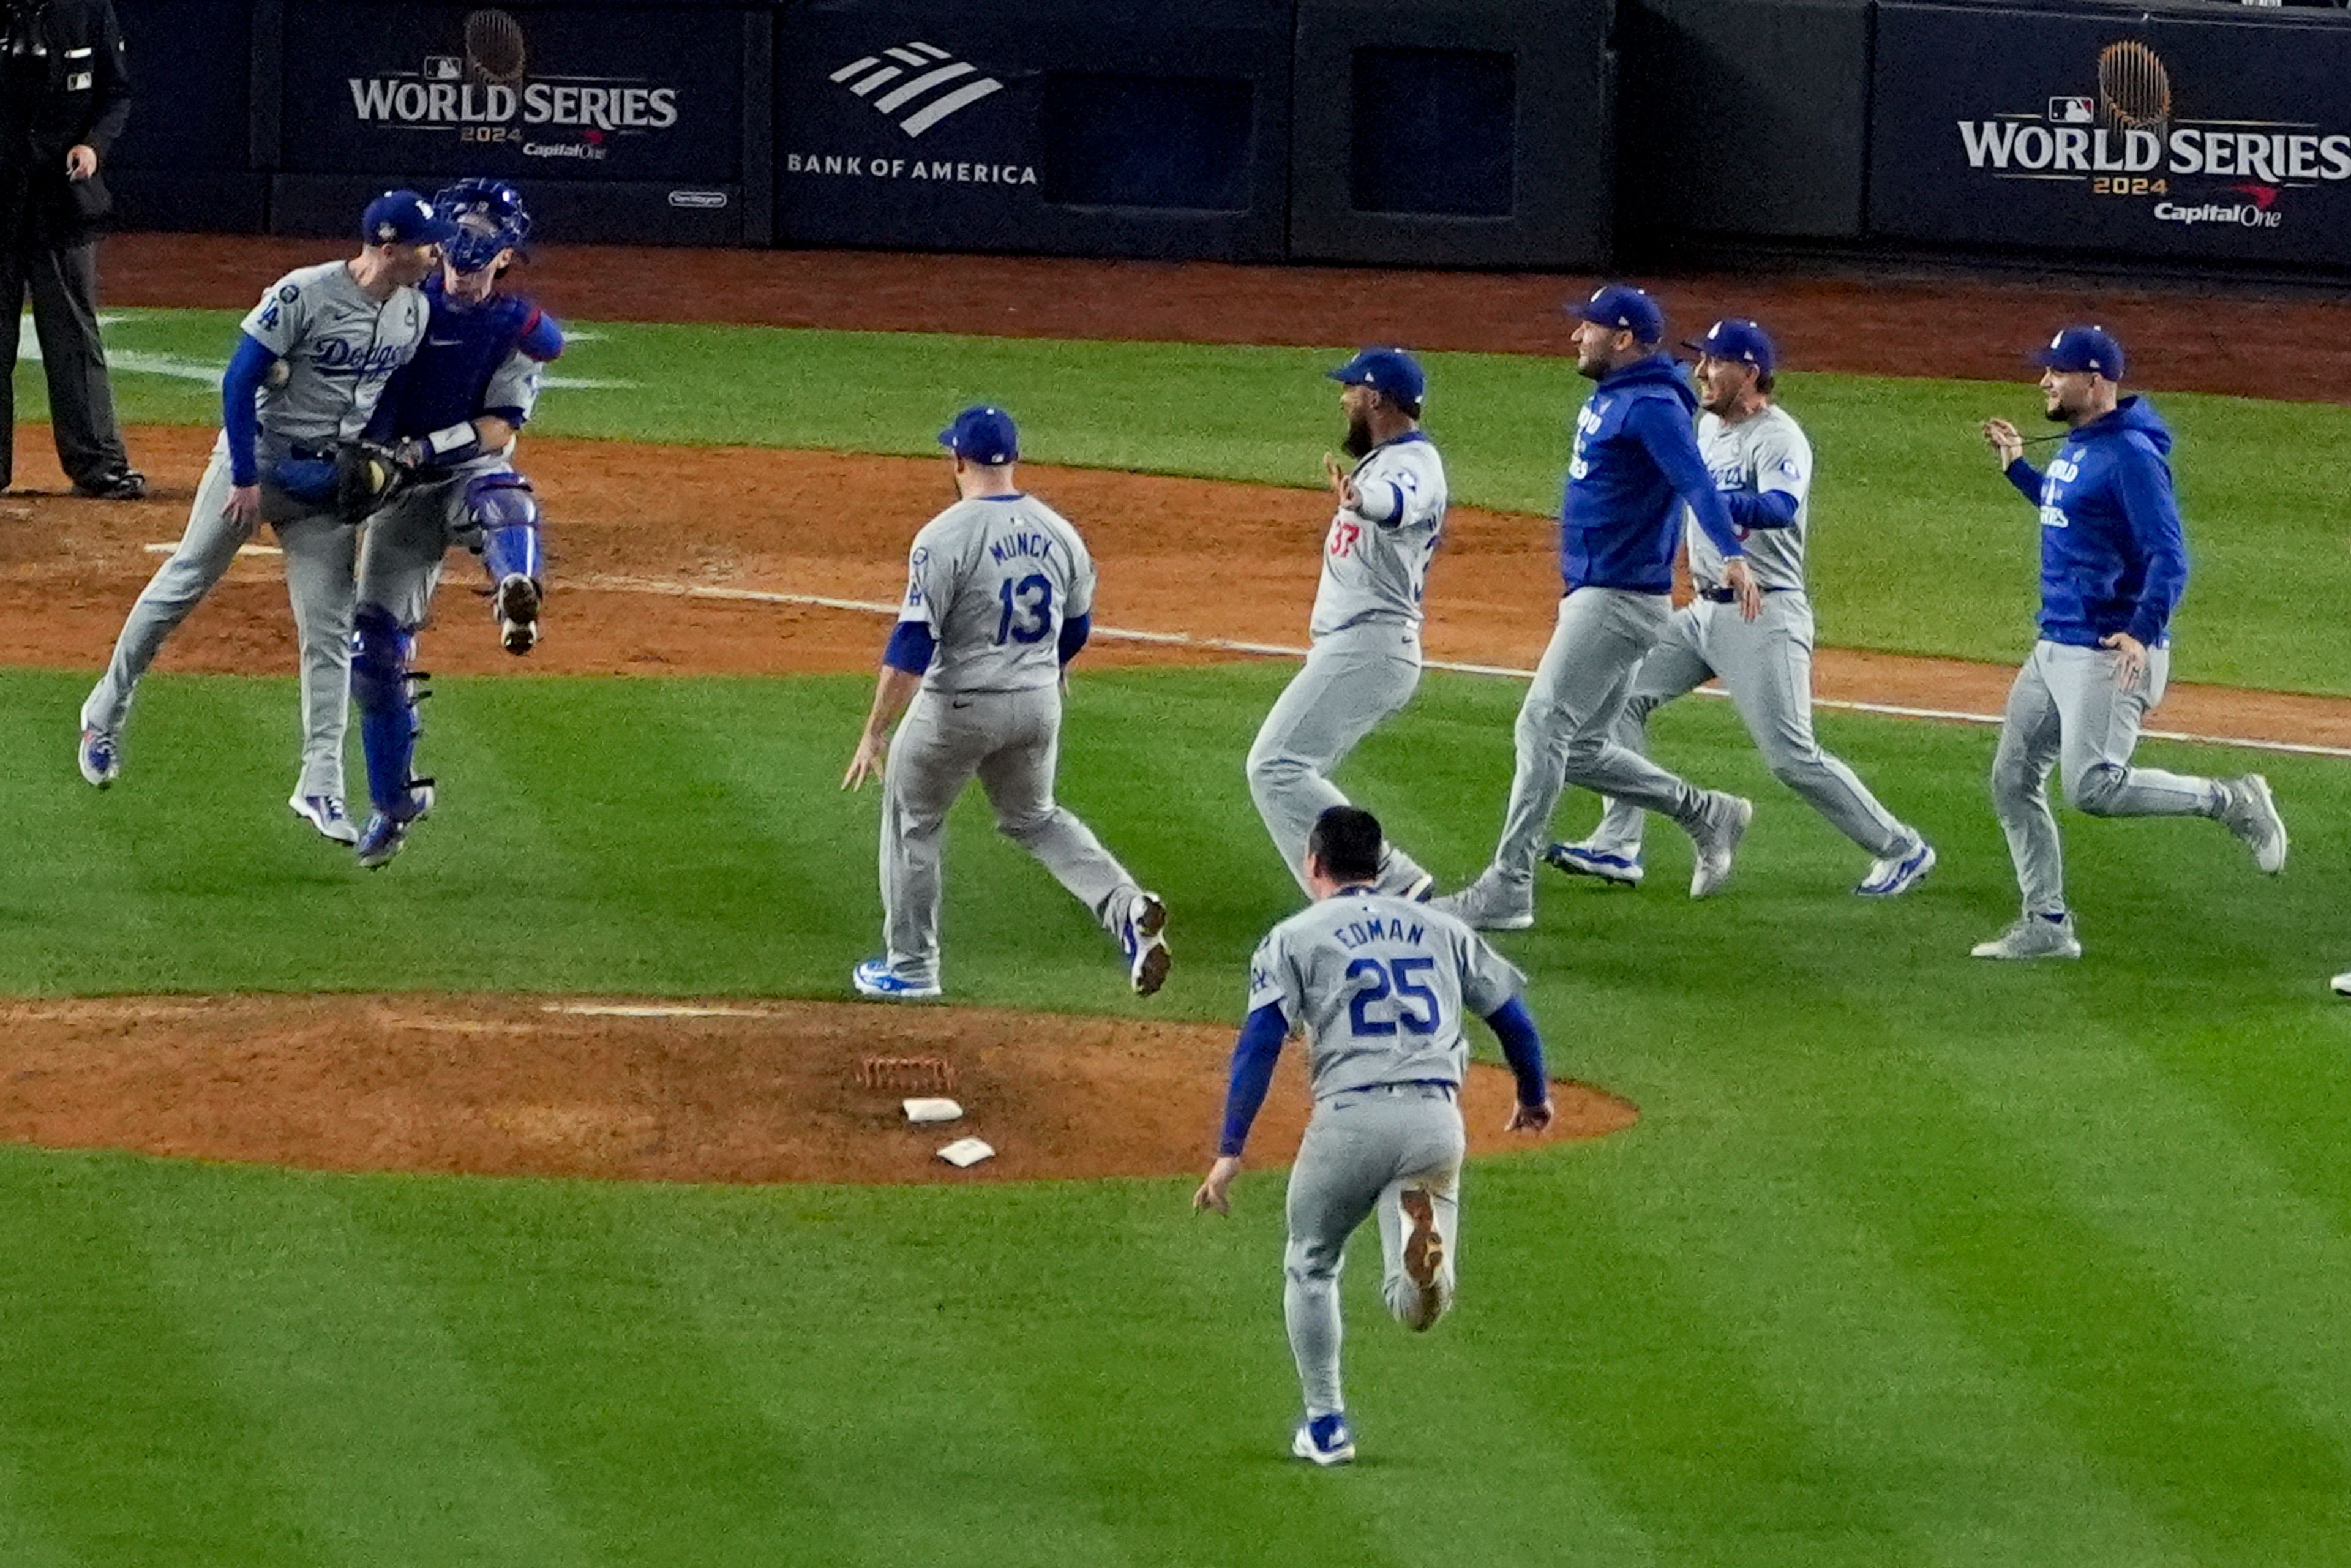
[
  {"x": 1907, "y": 498},
  {"x": 378, "y": 1429},
  {"x": 123, "y": 1447}
]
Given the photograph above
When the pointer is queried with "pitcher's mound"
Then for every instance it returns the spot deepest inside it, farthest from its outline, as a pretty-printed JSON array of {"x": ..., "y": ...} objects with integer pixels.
[{"x": 653, "y": 1091}]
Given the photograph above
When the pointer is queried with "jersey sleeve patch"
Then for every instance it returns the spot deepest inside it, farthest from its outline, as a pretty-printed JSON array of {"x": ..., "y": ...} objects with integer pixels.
[{"x": 1273, "y": 981}]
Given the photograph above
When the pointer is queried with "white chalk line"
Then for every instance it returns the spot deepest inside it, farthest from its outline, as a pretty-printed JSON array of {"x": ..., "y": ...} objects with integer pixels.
[
  {"x": 241, "y": 549},
  {"x": 1285, "y": 651},
  {"x": 594, "y": 1011}
]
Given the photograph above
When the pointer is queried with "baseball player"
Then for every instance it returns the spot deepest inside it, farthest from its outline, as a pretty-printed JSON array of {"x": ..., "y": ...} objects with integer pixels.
[
  {"x": 1636, "y": 464},
  {"x": 453, "y": 413},
  {"x": 1763, "y": 466},
  {"x": 1379, "y": 985},
  {"x": 309, "y": 366},
  {"x": 1365, "y": 659},
  {"x": 999, "y": 599},
  {"x": 2113, "y": 564}
]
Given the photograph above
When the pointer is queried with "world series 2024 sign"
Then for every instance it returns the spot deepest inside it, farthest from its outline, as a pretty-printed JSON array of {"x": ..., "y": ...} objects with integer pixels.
[
  {"x": 2161, "y": 135},
  {"x": 645, "y": 94}
]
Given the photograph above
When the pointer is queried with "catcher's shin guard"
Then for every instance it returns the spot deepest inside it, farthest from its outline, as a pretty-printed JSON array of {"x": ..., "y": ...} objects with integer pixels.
[
  {"x": 506, "y": 511},
  {"x": 386, "y": 692}
]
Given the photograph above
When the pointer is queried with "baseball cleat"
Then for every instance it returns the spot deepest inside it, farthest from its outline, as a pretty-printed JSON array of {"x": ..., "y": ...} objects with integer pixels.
[
  {"x": 1325, "y": 1440},
  {"x": 2341, "y": 984},
  {"x": 873, "y": 978},
  {"x": 1897, "y": 874},
  {"x": 1142, "y": 935},
  {"x": 518, "y": 611},
  {"x": 1717, "y": 840},
  {"x": 119, "y": 485},
  {"x": 1420, "y": 889},
  {"x": 1492, "y": 903},
  {"x": 2251, "y": 812},
  {"x": 325, "y": 812},
  {"x": 386, "y": 831},
  {"x": 100, "y": 761},
  {"x": 2033, "y": 936},
  {"x": 1582, "y": 859},
  {"x": 1424, "y": 1255}
]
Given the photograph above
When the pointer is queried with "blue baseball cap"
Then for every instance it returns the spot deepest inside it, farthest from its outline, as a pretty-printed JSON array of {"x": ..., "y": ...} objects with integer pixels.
[
  {"x": 1389, "y": 370},
  {"x": 984, "y": 434},
  {"x": 403, "y": 218},
  {"x": 2083, "y": 349},
  {"x": 1625, "y": 307},
  {"x": 1737, "y": 338}
]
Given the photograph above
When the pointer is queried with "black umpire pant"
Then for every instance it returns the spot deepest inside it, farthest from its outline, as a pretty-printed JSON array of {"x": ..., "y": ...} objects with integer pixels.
[{"x": 63, "y": 283}]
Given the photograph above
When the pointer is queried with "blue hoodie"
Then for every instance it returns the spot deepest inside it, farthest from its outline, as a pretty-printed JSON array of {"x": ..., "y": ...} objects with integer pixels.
[
  {"x": 1636, "y": 463},
  {"x": 2111, "y": 555}
]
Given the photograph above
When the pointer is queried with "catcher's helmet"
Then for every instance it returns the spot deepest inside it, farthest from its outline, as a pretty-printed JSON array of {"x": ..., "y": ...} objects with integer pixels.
[{"x": 489, "y": 216}]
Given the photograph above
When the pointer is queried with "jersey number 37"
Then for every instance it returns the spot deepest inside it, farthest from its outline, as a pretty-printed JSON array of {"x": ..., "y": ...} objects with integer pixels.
[{"x": 1392, "y": 991}]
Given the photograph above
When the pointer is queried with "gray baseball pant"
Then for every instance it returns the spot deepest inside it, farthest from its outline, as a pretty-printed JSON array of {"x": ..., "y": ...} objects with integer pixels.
[
  {"x": 1363, "y": 1149},
  {"x": 1766, "y": 666},
  {"x": 1010, "y": 740},
  {"x": 401, "y": 557},
  {"x": 319, "y": 565},
  {"x": 1566, "y": 726},
  {"x": 1354, "y": 680},
  {"x": 2067, "y": 709}
]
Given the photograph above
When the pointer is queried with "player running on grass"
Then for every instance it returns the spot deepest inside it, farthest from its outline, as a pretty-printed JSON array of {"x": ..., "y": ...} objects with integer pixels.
[{"x": 1379, "y": 985}]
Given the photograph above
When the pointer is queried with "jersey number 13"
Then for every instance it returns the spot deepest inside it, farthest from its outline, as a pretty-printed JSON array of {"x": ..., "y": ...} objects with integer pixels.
[{"x": 1028, "y": 610}]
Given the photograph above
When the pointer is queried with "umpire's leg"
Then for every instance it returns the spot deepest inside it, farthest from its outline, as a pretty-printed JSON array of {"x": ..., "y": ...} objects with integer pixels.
[
  {"x": 12, "y": 308},
  {"x": 64, "y": 282}
]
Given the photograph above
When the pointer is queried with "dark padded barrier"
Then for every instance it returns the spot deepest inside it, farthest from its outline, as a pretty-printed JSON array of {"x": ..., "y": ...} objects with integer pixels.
[
  {"x": 2204, "y": 134},
  {"x": 643, "y": 121},
  {"x": 1742, "y": 118},
  {"x": 1089, "y": 127},
  {"x": 1452, "y": 132},
  {"x": 183, "y": 162}
]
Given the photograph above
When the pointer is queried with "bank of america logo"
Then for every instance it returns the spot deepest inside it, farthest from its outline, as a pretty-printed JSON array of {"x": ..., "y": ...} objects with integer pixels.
[{"x": 940, "y": 85}]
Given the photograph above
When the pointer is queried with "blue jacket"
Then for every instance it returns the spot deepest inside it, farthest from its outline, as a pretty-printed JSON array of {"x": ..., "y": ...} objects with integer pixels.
[
  {"x": 2113, "y": 557},
  {"x": 1635, "y": 462}
]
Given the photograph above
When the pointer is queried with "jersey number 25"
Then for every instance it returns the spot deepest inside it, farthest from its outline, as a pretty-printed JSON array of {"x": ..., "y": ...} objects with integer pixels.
[{"x": 1390, "y": 985}]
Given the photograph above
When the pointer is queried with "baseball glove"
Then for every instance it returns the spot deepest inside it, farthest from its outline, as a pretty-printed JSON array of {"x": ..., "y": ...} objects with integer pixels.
[{"x": 368, "y": 474}]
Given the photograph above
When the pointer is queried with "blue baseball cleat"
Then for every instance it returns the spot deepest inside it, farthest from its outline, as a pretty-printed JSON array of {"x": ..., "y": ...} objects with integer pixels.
[
  {"x": 1582, "y": 859},
  {"x": 385, "y": 832},
  {"x": 99, "y": 759},
  {"x": 873, "y": 978},
  {"x": 1897, "y": 874},
  {"x": 1325, "y": 1440}
]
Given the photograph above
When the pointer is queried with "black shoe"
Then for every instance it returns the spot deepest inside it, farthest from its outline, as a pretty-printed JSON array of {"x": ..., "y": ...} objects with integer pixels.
[{"x": 121, "y": 484}]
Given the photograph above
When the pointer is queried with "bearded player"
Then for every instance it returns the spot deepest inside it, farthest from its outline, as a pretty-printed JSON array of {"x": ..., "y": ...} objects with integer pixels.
[
  {"x": 1365, "y": 661},
  {"x": 451, "y": 414}
]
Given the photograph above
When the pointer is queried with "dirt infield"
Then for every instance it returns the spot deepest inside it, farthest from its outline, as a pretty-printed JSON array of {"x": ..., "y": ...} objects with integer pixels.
[
  {"x": 638, "y": 514},
  {"x": 729, "y": 1092},
  {"x": 2183, "y": 337}
]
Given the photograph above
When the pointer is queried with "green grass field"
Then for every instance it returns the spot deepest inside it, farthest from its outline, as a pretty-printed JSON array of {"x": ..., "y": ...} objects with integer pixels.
[{"x": 1910, "y": 1260}]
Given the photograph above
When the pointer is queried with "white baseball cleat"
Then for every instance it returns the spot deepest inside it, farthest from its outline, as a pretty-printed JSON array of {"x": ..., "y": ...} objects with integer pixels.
[
  {"x": 1324, "y": 1439},
  {"x": 101, "y": 757},
  {"x": 2341, "y": 984},
  {"x": 872, "y": 978},
  {"x": 2251, "y": 812},
  {"x": 1424, "y": 1256},
  {"x": 1142, "y": 936},
  {"x": 1897, "y": 874},
  {"x": 1724, "y": 825},
  {"x": 2033, "y": 936},
  {"x": 1420, "y": 888},
  {"x": 518, "y": 611},
  {"x": 1492, "y": 903},
  {"x": 326, "y": 813},
  {"x": 1586, "y": 859}
]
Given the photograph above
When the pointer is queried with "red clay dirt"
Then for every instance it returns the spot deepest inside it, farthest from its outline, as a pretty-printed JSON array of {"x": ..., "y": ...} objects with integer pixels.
[{"x": 765, "y": 1092}]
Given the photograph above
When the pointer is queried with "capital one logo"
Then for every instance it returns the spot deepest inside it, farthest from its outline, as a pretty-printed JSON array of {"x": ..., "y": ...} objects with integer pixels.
[{"x": 939, "y": 84}]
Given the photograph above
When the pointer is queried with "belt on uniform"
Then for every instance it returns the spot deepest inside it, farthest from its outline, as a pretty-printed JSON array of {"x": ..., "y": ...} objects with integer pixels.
[
  {"x": 1401, "y": 1086},
  {"x": 1730, "y": 596}
]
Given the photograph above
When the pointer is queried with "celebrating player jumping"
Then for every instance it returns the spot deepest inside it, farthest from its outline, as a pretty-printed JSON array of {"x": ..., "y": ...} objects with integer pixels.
[{"x": 2113, "y": 564}]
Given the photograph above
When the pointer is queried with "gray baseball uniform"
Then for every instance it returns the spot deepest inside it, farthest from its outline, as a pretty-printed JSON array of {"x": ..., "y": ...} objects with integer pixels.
[
  {"x": 404, "y": 545},
  {"x": 992, "y": 579},
  {"x": 1766, "y": 664},
  {"x": 338, "y": 346},
  {"x": 1365, "y": 659},
  {"x": 1380, "y": 987}
]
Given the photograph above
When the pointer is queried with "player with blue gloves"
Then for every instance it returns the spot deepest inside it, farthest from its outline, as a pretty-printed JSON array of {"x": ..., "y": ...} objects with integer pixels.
[
  {"x": 1634, "y": 467},
  {"x": 451, "y": 414},
  {"x": 1380, "y": 986},
  {"x": 2114, "y": 565}
]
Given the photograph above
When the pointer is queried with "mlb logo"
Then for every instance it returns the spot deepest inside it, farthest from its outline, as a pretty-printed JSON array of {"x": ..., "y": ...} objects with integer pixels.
[
  {"x": 443, "y": 68},
  {"x": 2073, "y": 110}
]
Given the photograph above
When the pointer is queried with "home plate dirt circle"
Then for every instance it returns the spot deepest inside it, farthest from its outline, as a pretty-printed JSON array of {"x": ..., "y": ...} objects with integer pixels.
[{"x": 650, "y": 1090}]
